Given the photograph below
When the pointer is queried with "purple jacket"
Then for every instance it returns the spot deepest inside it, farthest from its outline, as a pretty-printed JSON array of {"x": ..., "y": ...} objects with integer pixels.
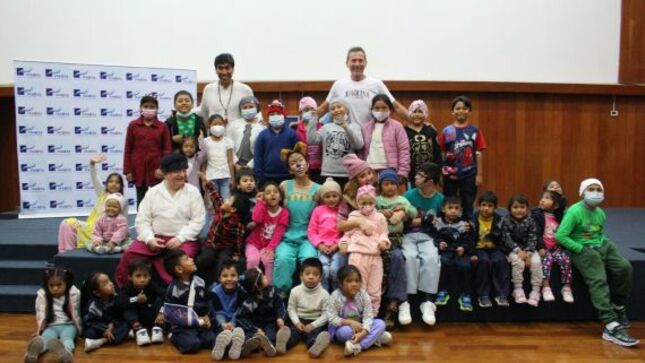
[{"x": 395, "y": 141}]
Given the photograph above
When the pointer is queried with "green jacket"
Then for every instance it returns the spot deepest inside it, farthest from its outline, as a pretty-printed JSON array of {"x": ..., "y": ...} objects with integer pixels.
[{"x": 581, "y": 227}]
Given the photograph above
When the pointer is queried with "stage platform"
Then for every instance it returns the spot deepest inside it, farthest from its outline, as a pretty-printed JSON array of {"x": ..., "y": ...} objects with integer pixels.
[{"x": 27, "y": 246}]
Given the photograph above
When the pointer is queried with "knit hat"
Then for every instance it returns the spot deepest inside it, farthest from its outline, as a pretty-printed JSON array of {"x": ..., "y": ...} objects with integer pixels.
[
  {"x": 354, "y": 165},
  {"x": 173, "y": 162},
  {"x": 388, "y": 174},
  {"x": 118, "y": 197},
  {"x": 419, "y": 104},
  {"x": 366, "y": 190},
  {"x": 248, "y": 99},
  {"x": 587, "y": 182},
  {"x": 307, "y": 102},
  {"x": 277, "y": 106},
  {"x": 329, "y": 186}
]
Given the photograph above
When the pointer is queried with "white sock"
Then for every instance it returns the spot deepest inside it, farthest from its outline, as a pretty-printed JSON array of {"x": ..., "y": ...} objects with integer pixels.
[{"x": 612, "y": 325}]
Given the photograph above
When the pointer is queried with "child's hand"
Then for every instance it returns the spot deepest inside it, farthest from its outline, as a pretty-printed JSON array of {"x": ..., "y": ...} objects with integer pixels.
[
  {"x": 343, "y": 248},
  {"x": 479, "y": 180},
  {"x": 474, "y": 258},
  {"x": 228, "y": 326},
  {"x": 155, "y": 244},
  {"x": 323, "y": 249},
  {"x": 111, "y": 245},
  {"x": 309, "y": 328},
  {"x": 205, "y": 322},
  {"x": 158, "y": 174},
  {"x": 159, "y": 320},
  {"x": 356, "y": 326},
  {"x": 416, "y": 222},
  {"x": 107, "y": 334},
  {"x": 203, "y": 178},
  {"x": 98, "y": 158},
  {"x": 95, "y": 244},
  {"x": 443, "y": 245},
  {"x": 359, "y": 336},
  {"x": 397, "y": 217},
  {"x": 542, "y": 252},
  {"x": 300, "y": 327},
  {"x": 460, "y": 251},
  {"x": 142, "y": 298},
  {"x": 367, "y": 229},
  {"x": 250, "y": 226},
  {"x": 173, "y": 244},
  {"x": 279, "y": 322},
  {"x": 387, "y": 213},
  {"x": 332, "y": 249},
  {"x": 382, "y": 245}
]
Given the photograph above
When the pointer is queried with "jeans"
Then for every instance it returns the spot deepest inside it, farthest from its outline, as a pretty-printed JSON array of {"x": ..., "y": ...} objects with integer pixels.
[{"x": 331, "y": 265}]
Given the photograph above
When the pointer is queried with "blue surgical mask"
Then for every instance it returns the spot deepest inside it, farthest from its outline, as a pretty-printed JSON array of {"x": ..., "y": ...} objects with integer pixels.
[
  {"x": 276, "y": 121},
  {"x": 593, "y": 199},
  {"x": 249, "y": 113},
  {"x": 306, "y": 116}
]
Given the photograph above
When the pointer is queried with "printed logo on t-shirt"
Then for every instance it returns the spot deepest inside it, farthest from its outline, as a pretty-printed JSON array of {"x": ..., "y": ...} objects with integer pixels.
[{"x": 336, "y": 144}]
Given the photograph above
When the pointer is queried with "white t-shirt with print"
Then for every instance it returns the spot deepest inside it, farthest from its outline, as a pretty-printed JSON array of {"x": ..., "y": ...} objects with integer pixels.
[
  {"x": 359, "y": 95},
  {"x": 216, "y": 153}
]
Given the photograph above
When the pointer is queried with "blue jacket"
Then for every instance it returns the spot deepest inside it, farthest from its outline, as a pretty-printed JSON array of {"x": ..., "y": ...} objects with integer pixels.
[{"x": 267, "y": 161}]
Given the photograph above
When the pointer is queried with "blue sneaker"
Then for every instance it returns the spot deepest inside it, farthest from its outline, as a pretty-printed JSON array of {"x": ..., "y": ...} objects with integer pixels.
[
  {"x": 464, "y": 303},
  {"x": 442, "y": 298},
  {"x": 620, "y": 336}
]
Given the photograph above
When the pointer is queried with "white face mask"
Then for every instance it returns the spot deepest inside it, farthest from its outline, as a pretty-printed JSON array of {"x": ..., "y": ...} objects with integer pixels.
[
  {"x": 381, "y": 116},
  {"x": 217, "y": 130},
  {"x": 249, "y": 113},
  {"x": 184, "y": 114},
  {"x": 593, "y": 199},
  {"x": 276, "y": 121}
]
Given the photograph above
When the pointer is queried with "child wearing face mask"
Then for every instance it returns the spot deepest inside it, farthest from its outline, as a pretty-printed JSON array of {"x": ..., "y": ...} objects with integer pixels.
[
  {"x": 268, "y": 164},
  {"x": 219, "y": 157},
  {"x": 183, "y": 122},
  {"x": 307, "y": 108},
  {"x": 385, "y": 140},
  {"x": 147, "y": 140},
  {"x": 338, "y": 138},
  {"x": 365, "y": 250},
  {"x": 607, "y": 274},
  {"x": 244, "y": 131}
]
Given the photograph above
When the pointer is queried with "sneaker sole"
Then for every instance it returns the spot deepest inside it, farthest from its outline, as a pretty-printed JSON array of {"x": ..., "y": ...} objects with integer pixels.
[
  {"x": 34, "y": 348},
  {"x": 266, "y": 346},
  {"x": 56, "y": 347},
  {"x": 464, "y": 308},
  {"x": 221, "y": 342},
  {"x": 237, "y": 341},
  {"x": 249, "y": 346},
  {"x": 320, "y": 344},
  {"x": 444, "y": 302},
  {"x": 281, "y": 340},
  {"x": 611, "y": 339}
]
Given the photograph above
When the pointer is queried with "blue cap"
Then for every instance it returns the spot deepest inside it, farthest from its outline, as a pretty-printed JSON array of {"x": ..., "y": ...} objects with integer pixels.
[{"x": 388, "y": 174}]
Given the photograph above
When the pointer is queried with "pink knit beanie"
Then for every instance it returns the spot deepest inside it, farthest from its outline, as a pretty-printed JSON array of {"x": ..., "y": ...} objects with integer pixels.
[{"x": 354, "y": 165}]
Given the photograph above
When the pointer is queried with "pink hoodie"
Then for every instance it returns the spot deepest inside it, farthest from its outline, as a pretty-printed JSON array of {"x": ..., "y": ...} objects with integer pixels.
[
  {"x": 269, "y": 230},
  {"x": 359, "y": 242},
  {"x": 322, "y": 226}
]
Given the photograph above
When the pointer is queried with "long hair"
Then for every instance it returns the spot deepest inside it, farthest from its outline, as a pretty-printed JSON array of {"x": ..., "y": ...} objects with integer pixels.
[
  {"x": 68, "y": 278},
  {"x": 90, "y": 284},
  {"x": 120, "y": 181}
]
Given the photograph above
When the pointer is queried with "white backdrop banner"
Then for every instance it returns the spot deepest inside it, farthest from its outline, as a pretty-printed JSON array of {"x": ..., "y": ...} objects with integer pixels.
[{"x": 67, "y": 112}]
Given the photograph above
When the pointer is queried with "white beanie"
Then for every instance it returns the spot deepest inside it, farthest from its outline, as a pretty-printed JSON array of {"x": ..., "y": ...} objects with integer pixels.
[
  {"x": 118, "y": 197},
  {"x": 587, "y": 182}
]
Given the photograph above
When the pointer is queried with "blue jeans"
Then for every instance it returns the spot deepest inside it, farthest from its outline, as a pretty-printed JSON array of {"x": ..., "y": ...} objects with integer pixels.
[
  {"x": 331, "y": 265},
  {"x": 222, "y": 186},
  {"x": 65, "y": 332}
]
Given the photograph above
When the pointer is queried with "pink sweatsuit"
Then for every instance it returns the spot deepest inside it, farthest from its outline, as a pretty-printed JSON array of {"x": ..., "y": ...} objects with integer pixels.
[
  {"x": 322, "y": 226},
  {"x": 111, "y": 229},
  {"x": 364, "y": 252},
  {"x": 267, "y": 234}
]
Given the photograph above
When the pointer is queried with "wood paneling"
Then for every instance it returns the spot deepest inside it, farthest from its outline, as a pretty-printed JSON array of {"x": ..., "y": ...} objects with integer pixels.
[
  {"x": 9, "y": 188},
  {"x": 446, "y": 342},
  {"x": 632, "y": 43}
]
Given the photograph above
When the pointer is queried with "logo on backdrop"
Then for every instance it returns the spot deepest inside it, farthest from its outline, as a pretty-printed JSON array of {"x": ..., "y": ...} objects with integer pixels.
[
  {"x": 32, "y": 187},
  {"x": 31, "y": 168},
  {"x": 161, "y": 78},
  {"x": 56, "y": 92},
  {"x": 111, "y": 149},
  {"x": 84, "y": 112},
  {"x": 59, "y": 168},
  {"x": 161, "y": 96},
  {"x": 57, "y": 130},
  {"x": 82, "y": 167},
  {"x": 84, "y": 75},
  {"x": 110, "y": 94},
  {"x": 109, "y": 76},
  {"x": 84, "y": 185},
  {"x": 29, "y": 130},
  {"x": 32, "y": 205},
  {"x": 28, "y": 111},
  {"x": 110, "y": 112},
  {"x": 135, "y": 77},
  {"x": 27, "y": 73},
  {"x": 111, "y": 167},
  {"x": 60, "y": 186},
  {"x": 84, "y": 130},
  {"x": 133, "y": 94},
  {"x": 59, "y": 204},
  {"x": 132, "y": 113},
  {"x": 112, "y": 131},
  {"x": 84, "y": 93},
  {"x": 85, "y": 203},
  {"x": 56, "y": 73},
  {"x": 85, "y": 149},
  {"x": 57, "y": 112},
  {"x": 131, "y": 202},
  {"x": 28, "y": 92},
  {"x": 59, "y": 149},
  {"x": 183, "y": 79},
  {"x": 30, "y": 149}
]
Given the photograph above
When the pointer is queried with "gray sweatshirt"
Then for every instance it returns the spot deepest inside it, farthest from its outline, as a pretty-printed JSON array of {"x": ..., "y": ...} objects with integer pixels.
[{"x": 336, "y": 142}]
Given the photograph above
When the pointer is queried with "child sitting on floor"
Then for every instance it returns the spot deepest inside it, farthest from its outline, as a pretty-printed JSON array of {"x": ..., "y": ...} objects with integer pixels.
[{"x": 226, "y": 297}]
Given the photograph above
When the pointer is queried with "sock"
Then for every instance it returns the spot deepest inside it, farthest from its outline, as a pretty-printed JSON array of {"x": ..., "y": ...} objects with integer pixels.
[
  {"x": 136, "y": 326},
  {"x": 611, "y": 326},
  {"x": 618, "y": 307},
  {"x": 429, "y": 297}
]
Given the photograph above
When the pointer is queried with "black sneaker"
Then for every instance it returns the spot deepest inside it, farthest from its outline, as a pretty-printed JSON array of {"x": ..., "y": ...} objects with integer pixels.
[
  {"x": 502, "y": 301},
  {"x": 619, "y": 335},
  {"x": 390, "y": 319},
  {"x": 622, "y": 317},
  {"x": 484, "y": 302}
]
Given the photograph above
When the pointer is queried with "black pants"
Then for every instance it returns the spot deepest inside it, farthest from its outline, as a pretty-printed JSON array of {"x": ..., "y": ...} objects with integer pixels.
[
  {"x": 270, "y": 330},
  {"x": 191, "y": 340},
  {"x": 141, "y": 192},
  {"x": 492, "y": 269},
  {"x": 314, "y": 175},
  {"x": 144, "y": 314},
  {"x": 464, "y": 188},
  {"x": 455, "y": 272},
  {"x": 309, "y": 338},
  {"x": 119, "y": 330},
  {"x": 209, "y": 261}
]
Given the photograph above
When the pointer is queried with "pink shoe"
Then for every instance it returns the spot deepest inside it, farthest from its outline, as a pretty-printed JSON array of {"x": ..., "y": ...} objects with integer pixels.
[
  {"x": 567, "y": 295},
  {"x": 534, "y": 298},
  {"x": 518, "y": 295},
  {"x": 547, "y": 294}
]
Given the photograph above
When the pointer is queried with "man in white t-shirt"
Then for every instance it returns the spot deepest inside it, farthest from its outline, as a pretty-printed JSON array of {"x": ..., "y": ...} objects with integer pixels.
[
  {"x": 223, "y": 97},
  {"x": 359, "y": 89}
]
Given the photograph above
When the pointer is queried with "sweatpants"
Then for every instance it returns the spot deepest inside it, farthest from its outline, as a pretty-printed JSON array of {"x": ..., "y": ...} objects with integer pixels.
[
  {"x": 394, "y": 275},
  {"x": 270, "y": 329},
  {"x": 371, "y": 269},
  {"x": 208, "y": 262},
  {"x": 518, "y": 266},
  {"x": 120, "y": 331},
  {"x": 492, "y": 274},
  {"x": 331, "y": 265},
  {"x": 559, "y": 256},
  {"x": 608, "y": 275},
  {"x": 309, "y": 338},
  {"x": 191, "y": 340},
  {"x": 253, "y": 258},
  {"x": 285, "y": 262},
  {"x": 422, "y": 263},
  {"x": 465, "y": 188},
  {"x": 65, "y": 332},
  {"x": 455, "y": 272},
  {"x": 345, "y": 332}
]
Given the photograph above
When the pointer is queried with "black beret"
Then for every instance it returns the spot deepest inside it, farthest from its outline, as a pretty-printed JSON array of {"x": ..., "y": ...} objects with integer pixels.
[{"x": 173, "y": 162}]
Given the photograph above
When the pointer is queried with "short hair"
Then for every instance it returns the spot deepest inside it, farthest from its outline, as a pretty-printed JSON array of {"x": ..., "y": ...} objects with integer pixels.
[
  {"x": 356, "y": 49},
  {"x": 149, "y": 99},
  {"x": 215, "y": 116},
  {"x": 312, "y": 262},
  {"x": 226, "y": 265},
  {"x": 139, "y": 264},
  {"x": 467, "y": 102},
  {"x": 431, "y": 170},
  {"x": 172, "y": 260},
  {"x": 224, "y": 58},
  {"x": 488, "y": 197},
  {"x": 346, "y": 271},
  {"x": 518, "y": 198},
  {"x": 243, "y": 171},
  {"x": 183, "y": 93},
  {"x": 451, "y": 200},
  {"x": 385, "y": 98}
]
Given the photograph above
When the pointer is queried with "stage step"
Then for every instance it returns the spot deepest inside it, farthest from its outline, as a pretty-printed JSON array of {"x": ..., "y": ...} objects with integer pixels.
[
  {"x": 84, "y": 263},
  {"x": 27, "y": 251},
  {"x": 19, "y": 272},
  {"x": 18, "y": 298}
]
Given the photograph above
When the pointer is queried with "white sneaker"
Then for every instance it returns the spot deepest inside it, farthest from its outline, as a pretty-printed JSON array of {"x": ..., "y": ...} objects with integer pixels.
[
  {"x": 142, "y": 337},
  {"x": 404, "y": 314},
  {"x": 386, "y": 338},
  {"x": 221, "y": 342},
  {"x": 547, "y": 294},
  {"x": 427, "y": 310},
  {"x": 567, "y": 295},
  {"x": 157, "y": 335},
  {"x": 93, "y": 344},
  {"x": 351, "y": 348},
  {"x": 130, "y": 334}
]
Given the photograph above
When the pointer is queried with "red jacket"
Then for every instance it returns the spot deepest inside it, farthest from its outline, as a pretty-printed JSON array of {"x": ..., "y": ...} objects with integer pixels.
[{"x": 144, "y": 148}]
